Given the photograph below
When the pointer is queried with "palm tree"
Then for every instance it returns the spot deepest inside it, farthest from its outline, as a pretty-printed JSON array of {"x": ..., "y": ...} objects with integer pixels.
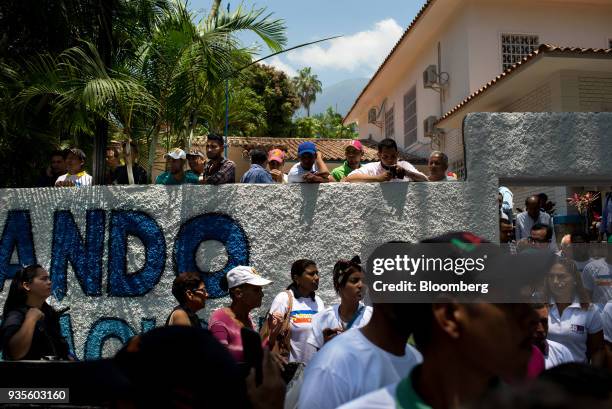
[{"x": 308, "y": 86}]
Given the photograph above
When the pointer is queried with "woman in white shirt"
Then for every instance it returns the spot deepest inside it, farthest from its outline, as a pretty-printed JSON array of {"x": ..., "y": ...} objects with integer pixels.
[
  {"x": 300, "y": 295},
  {"x": 573, "y": 321},
  {"x": 351, "y": 312}
]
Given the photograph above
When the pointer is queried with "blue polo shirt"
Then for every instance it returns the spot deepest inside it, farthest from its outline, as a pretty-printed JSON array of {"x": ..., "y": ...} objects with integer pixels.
[{"x": 256, "y": 174}]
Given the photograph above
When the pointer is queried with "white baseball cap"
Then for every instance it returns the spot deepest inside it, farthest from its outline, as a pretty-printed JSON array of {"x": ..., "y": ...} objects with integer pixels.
[
  {"x": 176, "y": 153},
  {"x": 245, "y": 275}
]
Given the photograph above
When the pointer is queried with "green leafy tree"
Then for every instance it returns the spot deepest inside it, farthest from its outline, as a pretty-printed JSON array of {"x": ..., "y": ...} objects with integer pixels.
[
  {"x": 278, "y": 96},
  {"x": 308, "y": 127},
  {"x": 332, "y": 127},
  {"x": 308, "y": 86}
]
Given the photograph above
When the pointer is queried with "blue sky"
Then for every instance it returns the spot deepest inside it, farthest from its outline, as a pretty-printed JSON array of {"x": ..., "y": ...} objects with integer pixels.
[{"x": 369, "y": 28}]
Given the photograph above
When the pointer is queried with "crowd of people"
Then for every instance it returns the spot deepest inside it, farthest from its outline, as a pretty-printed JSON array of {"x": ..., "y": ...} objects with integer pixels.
[
  {"x": 194, "y": 167},
  {"x": 354, "y": 355}
]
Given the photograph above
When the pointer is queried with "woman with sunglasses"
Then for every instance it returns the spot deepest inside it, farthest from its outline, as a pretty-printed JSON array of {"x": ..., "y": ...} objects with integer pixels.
[
  {"x": 351, "y": 312},
  {"x": 30, "y": 327},
  {"x": 190, "y": 292}
]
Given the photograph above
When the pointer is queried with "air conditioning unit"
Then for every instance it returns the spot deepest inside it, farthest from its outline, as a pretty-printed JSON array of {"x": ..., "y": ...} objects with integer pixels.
[
  {"x": 430, "y": 77},
  {"x": 372, "y": 116},
  {"x": 429, "y": 125}
]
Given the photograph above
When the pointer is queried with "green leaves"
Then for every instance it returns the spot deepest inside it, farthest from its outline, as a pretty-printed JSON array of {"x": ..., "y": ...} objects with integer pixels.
[{"x": 308, "y": 86}]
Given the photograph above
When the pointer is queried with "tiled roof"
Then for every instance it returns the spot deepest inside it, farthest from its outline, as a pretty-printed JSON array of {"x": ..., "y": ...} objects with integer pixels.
[
  {"x": 331, "y": 149},
  {"x": 544, "y": 49},
  {"x": 406, "y": 32}
]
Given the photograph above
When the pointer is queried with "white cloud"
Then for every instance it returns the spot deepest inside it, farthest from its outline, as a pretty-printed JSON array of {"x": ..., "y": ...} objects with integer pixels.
[
  {"x": 277, "y": 63},
  {"x": 362, "y": 51}
]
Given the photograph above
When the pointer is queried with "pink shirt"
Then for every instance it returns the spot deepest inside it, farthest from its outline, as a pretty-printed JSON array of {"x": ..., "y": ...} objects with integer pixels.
[{"x": 227, "y": 331}]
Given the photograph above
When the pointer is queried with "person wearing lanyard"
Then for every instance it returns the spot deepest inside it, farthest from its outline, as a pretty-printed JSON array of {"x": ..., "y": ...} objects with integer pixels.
[
  {"x": 573, "y": 321},
  {"x": 350, "y": 313}
]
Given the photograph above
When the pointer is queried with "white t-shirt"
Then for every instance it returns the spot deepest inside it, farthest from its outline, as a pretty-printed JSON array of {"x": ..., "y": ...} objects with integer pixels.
[
  {"x": 375, "y": 169},
  {"x": 304, "y": 308},
  {"x": 350, "y": 366},
  {"x": 383, "y": 398},
  {"x": 597, "y": 278},
  {"x": 297, "y": 172},
  {"x": 330, "y": 318},
  {"x": 572, "y": 328},
  {"x": 80, "y": 179},
  {"x": 557, "y": 354},
  {"x": 606, "y": 318}
]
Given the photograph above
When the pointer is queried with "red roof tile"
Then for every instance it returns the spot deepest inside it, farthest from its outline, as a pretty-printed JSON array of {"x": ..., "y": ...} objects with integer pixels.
[{"x": 544, "y": 49}]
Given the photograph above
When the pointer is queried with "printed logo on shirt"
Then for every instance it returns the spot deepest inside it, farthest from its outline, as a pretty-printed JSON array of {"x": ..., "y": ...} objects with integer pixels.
[
  {"x": 577, "y": 328},
  {"x": 603, "y": 280},
  {"x": 302, "y": 316}
]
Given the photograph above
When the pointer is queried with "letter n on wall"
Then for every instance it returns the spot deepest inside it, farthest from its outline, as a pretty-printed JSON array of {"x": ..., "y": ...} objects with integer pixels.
[{"x": 85, "y": 258}]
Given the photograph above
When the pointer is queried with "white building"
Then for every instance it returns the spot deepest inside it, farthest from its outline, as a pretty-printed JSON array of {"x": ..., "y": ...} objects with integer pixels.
[{"x": 472, "y": 46}]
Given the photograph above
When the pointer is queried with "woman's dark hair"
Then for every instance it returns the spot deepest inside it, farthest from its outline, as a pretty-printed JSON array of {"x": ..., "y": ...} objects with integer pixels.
[
  {"x": 343, "y": 270},
  {"x": 579, "y": 290},
  {"x": 299, "y": 266},
  {"x": 183, "y": 283},
  {"x": 17, "y": 295}
]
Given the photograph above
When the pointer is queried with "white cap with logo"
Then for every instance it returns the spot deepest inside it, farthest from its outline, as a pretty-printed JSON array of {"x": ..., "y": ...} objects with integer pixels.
[
  {"x": 245, "y": 275},
  {"x": 176, "y": 153}
]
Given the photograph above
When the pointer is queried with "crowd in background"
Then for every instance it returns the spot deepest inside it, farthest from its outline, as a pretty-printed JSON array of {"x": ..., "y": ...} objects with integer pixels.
[{"x": 66, "y": 168}]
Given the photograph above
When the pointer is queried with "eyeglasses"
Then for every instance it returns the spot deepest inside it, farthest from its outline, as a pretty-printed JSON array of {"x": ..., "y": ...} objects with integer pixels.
[{"x": 199, "y": 290}]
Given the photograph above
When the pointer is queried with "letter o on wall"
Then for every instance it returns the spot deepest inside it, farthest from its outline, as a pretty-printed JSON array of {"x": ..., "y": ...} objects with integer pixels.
[{"x": 210, "y": 226}]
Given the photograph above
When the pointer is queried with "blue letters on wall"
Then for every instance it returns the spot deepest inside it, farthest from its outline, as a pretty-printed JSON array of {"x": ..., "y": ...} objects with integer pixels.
[
  {"x": 211, "y": 226},
  {"x": 86, "y": 259},
  {"x": 17, "y": 233},
  {"x": 101, "y": 331},
  {"x": 122, "y": 283}
]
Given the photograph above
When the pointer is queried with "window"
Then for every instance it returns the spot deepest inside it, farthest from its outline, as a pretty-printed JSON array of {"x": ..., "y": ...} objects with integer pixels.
[
  {"x": 410, "y": 117},
  {"x": 389, "y": 124},
  {"x": 515, "y": 47}
]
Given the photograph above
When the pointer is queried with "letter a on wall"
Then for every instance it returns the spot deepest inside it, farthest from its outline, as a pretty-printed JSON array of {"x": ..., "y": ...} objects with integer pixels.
[{"x": 17, "y": 234}]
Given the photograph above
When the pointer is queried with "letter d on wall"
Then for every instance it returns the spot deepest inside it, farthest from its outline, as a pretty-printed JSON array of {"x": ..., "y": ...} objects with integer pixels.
[{"x": 122, "y": 283}]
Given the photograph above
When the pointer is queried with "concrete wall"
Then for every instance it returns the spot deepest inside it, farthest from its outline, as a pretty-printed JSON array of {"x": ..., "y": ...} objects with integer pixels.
[{"x": 91, "y": 239}]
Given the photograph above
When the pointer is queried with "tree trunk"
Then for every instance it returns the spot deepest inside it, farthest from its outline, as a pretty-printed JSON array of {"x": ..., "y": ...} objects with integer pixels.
[
  {"x": 214, "y": 11},
  {"x": 152, "y": 153},
  {"x": 105, "y": 46}
]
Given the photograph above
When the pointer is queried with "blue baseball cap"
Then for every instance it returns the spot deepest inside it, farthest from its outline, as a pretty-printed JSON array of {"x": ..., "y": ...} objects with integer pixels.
[{"x": 307, "y": 147}]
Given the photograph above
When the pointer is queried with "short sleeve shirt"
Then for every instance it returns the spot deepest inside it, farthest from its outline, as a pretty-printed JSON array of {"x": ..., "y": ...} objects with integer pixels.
[
  {"x": 330, "y": 318},
  {"x": 80, "y": 179},
  {"x": 376, "y": 169},
  {"x": 572, "y": 328},
  {"x": 557, "y": 354},
  {"x": 227, "y": 331},
  {"x": 597, "y": 277},
  {"x": 302, "y": 311},
  {"x": 167, "y": 178},
  {"x": 341, "y": 172},
  {"x": 297, "y": 172}
]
